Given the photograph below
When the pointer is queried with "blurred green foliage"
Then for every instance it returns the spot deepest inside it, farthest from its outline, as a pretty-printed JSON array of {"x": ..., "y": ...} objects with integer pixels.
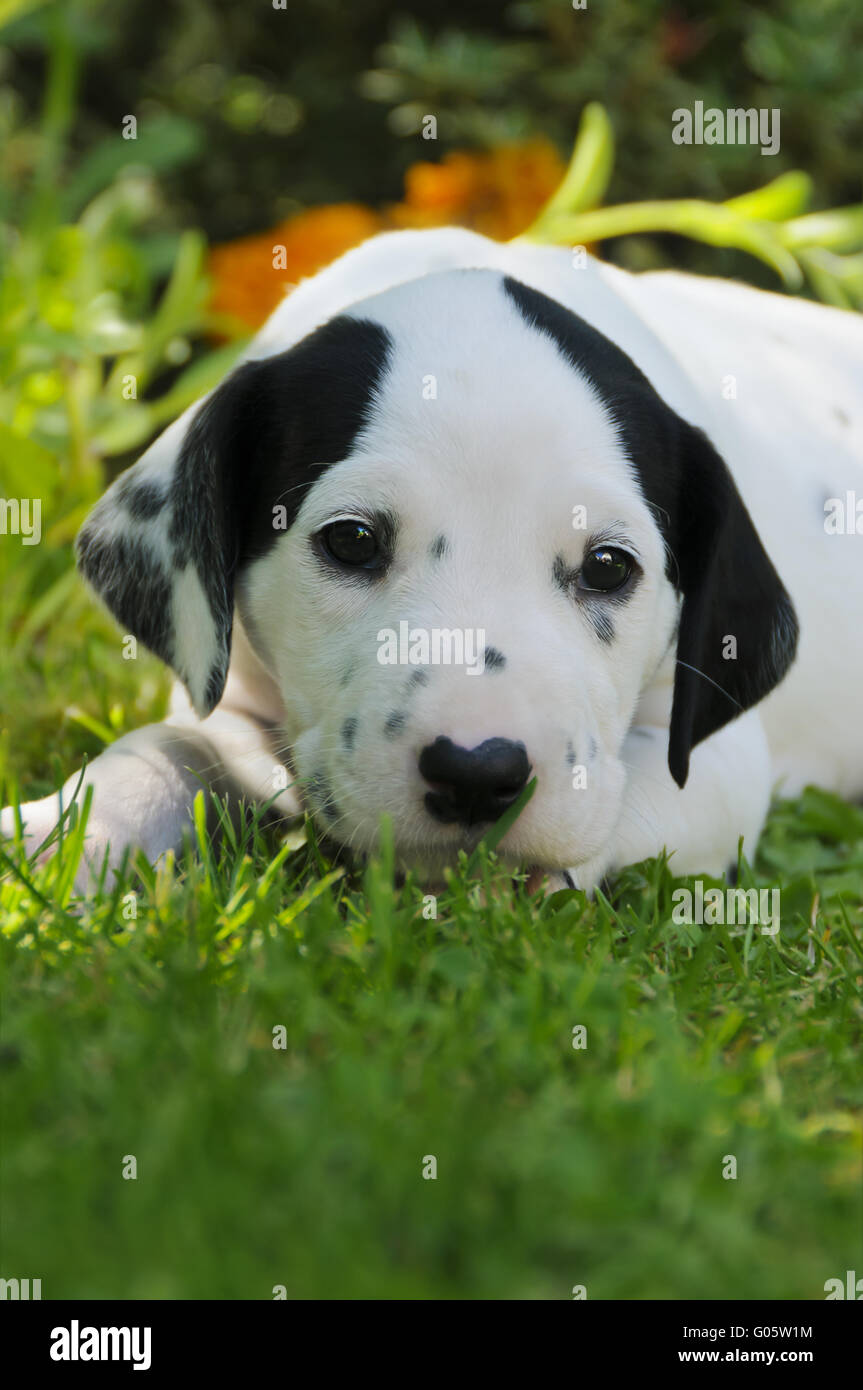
[
  {"x": 271, "y": 110},
  {"x": 103, "y": 313},
  {"x": 247, "y": 113},
  {"x": 770, "y": 223},
  {"x": 94, "y": 310}
]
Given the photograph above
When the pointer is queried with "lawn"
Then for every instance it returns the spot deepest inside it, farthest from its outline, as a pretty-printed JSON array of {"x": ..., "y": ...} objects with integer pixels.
[{"x": 147, "y": 1022}]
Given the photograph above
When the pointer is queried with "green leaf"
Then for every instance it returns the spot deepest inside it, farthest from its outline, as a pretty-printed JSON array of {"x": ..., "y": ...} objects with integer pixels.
[
  {"x": 841, "y": 229},
  {"x": 587, "y": 178},
  {"x": 456, "y": 964},
  {"x": 26, "y": 468},
  {"x": 783, "y": 197},
  {"x": 14, "y": 9},
  {"x": 494, "y": 836},
  {"x": 163, "y": 143}
]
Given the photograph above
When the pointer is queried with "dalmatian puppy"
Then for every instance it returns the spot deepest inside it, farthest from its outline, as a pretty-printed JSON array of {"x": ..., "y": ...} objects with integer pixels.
[{"x": 469, "y": 515}]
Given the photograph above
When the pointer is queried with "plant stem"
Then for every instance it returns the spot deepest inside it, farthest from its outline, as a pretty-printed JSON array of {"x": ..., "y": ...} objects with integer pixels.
[{"x": 61, "y": 85}]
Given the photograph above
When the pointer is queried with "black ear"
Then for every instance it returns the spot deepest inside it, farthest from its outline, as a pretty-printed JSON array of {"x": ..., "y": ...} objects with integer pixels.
[
  {"x": 738, "y": 629},
  {"x": 715, "y": 558},
  {"x": 160, "y": 548},
  {"x": 164, "y": 545}
]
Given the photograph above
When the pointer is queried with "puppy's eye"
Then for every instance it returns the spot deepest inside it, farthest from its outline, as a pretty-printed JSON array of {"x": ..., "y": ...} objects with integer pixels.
[
  {"x": 352, "y": 543},
  {"x": 605, "y": 569}
]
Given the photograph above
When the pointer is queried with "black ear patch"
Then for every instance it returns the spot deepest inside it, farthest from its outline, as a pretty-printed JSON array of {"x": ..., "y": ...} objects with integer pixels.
[
  {"x": 738, "y": 629},
  {"x": 164, "y": 545},
  {"x": 715, "y": 558}
]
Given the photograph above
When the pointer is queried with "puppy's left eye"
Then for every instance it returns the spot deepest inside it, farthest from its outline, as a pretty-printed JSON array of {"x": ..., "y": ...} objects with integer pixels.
[
  {"x": 352, "y": 543},
  {"x": 605, "y": 569}
]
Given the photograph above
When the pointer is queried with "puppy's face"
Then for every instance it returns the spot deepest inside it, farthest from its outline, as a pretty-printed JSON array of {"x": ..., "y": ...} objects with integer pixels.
[
  {"x": 488, "y": 498},
  {"x": 456, "y": 524}
]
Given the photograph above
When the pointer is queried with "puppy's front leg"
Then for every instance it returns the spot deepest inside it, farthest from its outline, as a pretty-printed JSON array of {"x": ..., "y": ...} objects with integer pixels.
[
  {"x": 727, "y": 794},
  {"x": 144, "y": 786}
]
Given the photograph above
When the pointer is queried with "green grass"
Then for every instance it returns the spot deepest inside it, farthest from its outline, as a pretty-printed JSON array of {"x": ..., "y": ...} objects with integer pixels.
[{"x": 405, "y": 1037}]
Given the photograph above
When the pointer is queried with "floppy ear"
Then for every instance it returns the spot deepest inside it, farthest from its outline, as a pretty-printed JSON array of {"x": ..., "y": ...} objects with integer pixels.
[
  {"x": 164, "y": 545},
  {"x": 730, "y": 591},
  {"x": 160, "y": 548},
  {"x": 716, "y": 561}
]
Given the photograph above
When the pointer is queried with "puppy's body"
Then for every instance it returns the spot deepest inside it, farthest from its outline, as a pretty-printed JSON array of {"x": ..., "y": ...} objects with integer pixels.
[{"x": 494, "y": 434}]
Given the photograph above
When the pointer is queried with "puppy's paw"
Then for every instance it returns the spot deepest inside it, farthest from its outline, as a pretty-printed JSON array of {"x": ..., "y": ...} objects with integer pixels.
[{"x": 38, "y": 819}]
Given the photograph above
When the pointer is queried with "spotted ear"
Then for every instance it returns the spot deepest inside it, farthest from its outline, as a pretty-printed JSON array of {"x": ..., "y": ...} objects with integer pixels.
[
  {"x": 165, "y": 544},
  {"x": 738, "y": 629},
  {"x": 160, "y": 547}
]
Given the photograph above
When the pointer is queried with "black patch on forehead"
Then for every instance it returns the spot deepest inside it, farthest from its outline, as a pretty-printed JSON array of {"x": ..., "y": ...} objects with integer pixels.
[
  {"x": 648, "y": 428},
  {"x": 418, "y": 677},
  {"x": 439, "y": 547},
  {"x": 260, "y": 442},
  {"x": 270, "y": 431},
  {"x": 494, "y": 660}
]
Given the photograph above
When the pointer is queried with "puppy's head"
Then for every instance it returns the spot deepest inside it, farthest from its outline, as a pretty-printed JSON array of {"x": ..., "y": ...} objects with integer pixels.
[{"x": 464, "y": 535}]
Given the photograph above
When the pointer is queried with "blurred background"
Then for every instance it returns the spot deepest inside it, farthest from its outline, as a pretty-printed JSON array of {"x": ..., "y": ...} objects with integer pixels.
[
  {"x": 248, "y": 113},
  {"x": 132, "y": 270}
]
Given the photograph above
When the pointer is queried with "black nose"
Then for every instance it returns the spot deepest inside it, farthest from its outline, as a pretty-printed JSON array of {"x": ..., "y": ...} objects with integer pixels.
[{"x": 473, "y": 784}]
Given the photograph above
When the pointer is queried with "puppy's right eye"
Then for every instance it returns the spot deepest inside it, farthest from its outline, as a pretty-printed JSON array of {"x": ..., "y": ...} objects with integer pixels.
[{"x": 352, "y": 543}]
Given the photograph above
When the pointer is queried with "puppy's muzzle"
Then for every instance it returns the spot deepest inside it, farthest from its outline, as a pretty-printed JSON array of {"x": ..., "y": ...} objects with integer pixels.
[{"x": 472, "y": 785}]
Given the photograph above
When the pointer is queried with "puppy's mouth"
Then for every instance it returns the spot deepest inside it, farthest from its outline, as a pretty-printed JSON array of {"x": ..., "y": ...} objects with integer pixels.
[
  {"x": 440, "y": 850},
  {"x": 430, "y": 868}
]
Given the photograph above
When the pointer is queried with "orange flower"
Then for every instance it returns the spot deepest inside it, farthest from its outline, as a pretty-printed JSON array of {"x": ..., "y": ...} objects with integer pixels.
[
  {"x": 444, "y": 189},
  {"x": 250, "y": 276},
  {"x": 498, "y": 193}
]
